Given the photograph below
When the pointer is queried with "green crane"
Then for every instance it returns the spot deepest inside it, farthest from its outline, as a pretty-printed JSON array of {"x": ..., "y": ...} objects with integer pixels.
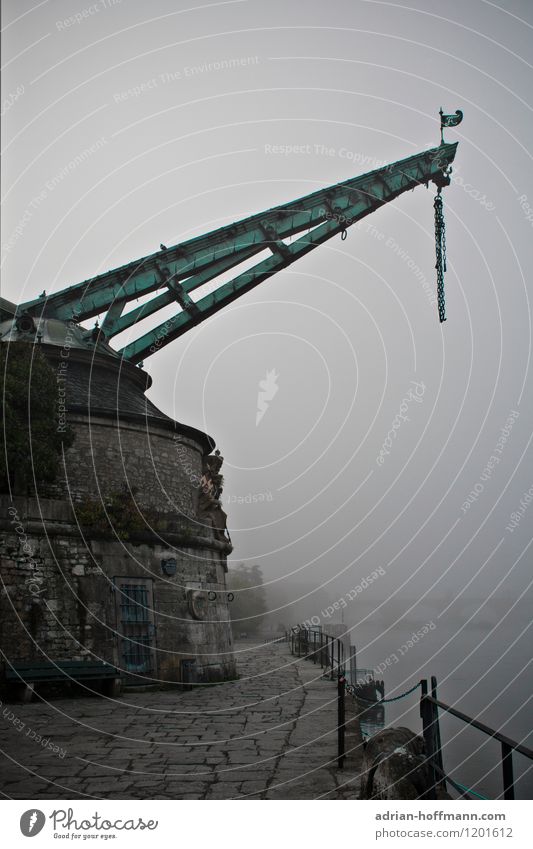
[{"x": 286, "y": 233}]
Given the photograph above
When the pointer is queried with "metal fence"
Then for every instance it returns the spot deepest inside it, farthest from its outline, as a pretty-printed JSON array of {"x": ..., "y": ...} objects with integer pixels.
[
  {"x": 429, "y": 711},
  {"x": 327, "y": 651}
]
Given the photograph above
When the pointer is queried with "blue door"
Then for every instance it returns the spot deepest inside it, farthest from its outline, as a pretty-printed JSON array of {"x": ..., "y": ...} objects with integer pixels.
[{"x": 135, "y": 625}]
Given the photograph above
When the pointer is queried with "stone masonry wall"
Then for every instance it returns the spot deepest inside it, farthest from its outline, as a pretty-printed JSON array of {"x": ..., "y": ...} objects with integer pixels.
[
  {"x": 162, "y": 467},
  {"x": 58, "y": 594}
]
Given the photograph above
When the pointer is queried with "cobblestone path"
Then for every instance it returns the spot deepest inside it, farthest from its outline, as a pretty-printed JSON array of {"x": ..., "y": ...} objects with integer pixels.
[{"x": 270, "y": 735}]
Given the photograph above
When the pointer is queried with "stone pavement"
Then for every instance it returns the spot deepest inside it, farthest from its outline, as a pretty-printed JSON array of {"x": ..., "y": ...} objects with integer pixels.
[{"x": 270, "y": 735}]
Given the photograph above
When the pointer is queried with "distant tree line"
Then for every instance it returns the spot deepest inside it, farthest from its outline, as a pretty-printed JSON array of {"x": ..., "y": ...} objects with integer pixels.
[{"x": 249, "y": 606}]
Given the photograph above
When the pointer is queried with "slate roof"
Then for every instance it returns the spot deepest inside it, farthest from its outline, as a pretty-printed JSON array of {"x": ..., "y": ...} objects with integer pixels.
[{"x": 97, "y": 380}]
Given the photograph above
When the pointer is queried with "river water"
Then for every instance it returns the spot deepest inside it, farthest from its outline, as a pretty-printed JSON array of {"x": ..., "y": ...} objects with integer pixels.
[{"x": 481, "y": 674}]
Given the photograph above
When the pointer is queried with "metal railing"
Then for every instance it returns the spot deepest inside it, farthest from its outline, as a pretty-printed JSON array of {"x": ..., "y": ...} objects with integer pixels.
[
  {"x": 429, "y": 711},
  {"x": 329, "y": 652},
  {"x": 267, "y": 641}
]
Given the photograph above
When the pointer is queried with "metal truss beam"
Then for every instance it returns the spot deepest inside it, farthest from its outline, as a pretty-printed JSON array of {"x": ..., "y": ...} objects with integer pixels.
[{"x": 177, "y": 271}]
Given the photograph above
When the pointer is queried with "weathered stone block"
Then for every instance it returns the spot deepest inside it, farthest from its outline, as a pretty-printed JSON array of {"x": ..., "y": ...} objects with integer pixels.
[{"x": 394, "y": 766}]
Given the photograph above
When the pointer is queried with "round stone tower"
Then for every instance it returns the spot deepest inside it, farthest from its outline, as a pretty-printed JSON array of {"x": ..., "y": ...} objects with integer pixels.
[{"x": 123, "y": 558}]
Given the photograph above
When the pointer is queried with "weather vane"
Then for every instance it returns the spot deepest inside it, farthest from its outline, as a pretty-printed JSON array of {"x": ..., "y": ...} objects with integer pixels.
[{"x": 449, "y": 121}]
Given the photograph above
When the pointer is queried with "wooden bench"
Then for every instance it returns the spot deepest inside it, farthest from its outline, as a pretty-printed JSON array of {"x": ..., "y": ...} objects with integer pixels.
[{"x": 24, "y": 676}]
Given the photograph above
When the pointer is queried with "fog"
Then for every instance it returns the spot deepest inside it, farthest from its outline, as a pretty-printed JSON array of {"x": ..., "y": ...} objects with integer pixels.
[{"x": 182, "y": 140}]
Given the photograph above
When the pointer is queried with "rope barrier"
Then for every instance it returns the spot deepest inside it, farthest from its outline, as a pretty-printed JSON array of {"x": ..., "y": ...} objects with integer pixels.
[
  {"x": 456, "y": 784},
  {"x": 350, "y": 688}
]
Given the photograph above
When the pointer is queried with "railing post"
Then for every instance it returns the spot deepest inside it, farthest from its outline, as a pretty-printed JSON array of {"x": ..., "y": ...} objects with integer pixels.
[
  {"x": 332, "y": 674},
  {"x": 507, "y": 765},
  {"x": 438, "y": 746},
  {"x": 314, "y": 647},
  {"x": 340, "y": 721},
  {"x": 426, "y": 713}
]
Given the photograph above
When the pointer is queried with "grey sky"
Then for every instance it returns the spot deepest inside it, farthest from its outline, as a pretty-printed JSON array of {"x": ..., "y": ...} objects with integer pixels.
[{"x": 180, "y": 138}]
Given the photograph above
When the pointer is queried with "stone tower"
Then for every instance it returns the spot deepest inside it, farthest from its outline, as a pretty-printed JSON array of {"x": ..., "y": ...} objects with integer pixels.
[{"x": 123, "y": 558}]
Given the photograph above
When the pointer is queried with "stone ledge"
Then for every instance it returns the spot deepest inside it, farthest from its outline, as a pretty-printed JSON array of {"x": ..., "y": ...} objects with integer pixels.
[{"x": 55, "y": 518}]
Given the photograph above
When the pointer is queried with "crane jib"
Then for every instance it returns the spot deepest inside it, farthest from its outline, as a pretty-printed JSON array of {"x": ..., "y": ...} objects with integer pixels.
[{"x": 173, "y": 273}]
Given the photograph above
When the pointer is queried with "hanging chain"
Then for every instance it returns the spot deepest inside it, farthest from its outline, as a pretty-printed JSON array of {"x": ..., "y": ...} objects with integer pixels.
[
  {"x": 440, "y": 250},
  {"x": 443, "y": 241},
  {"x": 351, "y": 689}
]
